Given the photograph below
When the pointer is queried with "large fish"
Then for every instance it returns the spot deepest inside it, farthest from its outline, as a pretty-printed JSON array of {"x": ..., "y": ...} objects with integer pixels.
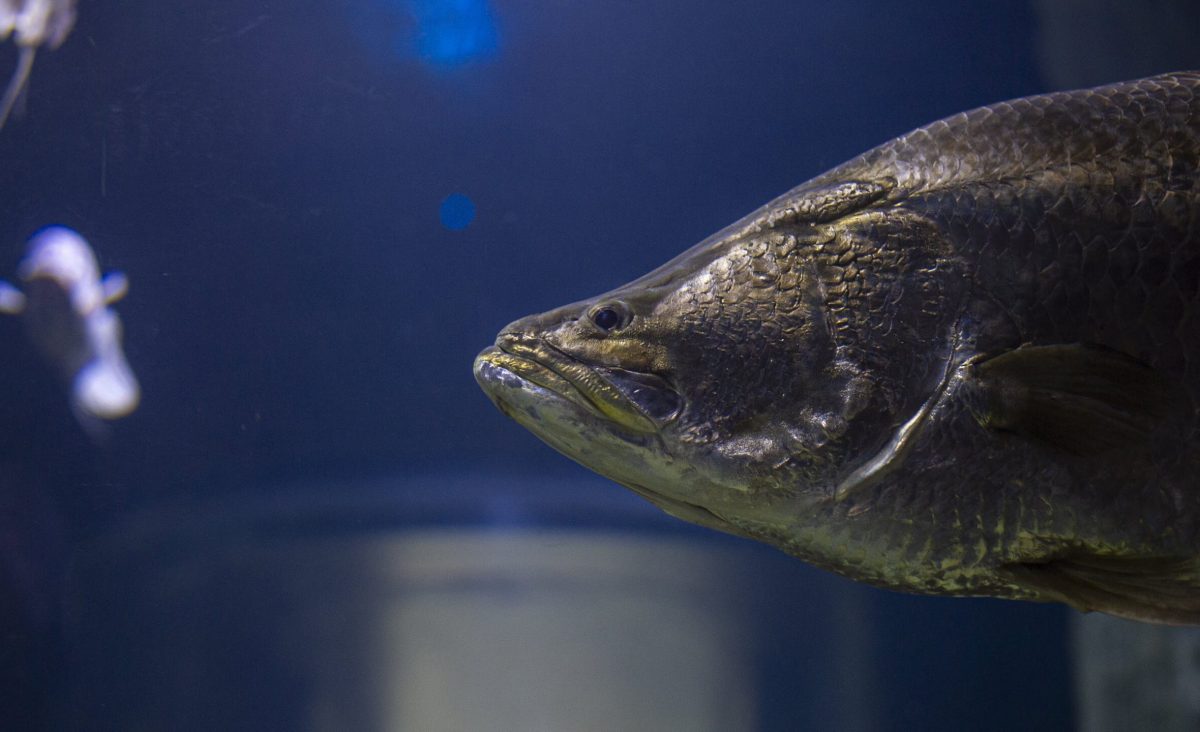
[{"x": 966, "y": 362}]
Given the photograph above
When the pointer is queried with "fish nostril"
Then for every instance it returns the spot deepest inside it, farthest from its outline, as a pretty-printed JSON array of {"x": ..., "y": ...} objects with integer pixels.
[
  {"x": 534, "y": 329},
  {"x": 510, "y": 339}
]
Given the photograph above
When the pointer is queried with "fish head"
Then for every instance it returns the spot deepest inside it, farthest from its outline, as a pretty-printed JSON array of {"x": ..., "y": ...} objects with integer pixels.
[
  {"x": 714, "y": 381},
  {"x": 62, "y": 256}
]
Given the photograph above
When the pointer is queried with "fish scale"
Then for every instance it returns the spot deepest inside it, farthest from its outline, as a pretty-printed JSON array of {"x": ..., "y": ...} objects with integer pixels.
[{"x": 966, "y": 362}]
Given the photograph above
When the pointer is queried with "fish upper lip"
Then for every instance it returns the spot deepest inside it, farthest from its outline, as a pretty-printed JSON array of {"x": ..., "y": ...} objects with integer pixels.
[
  {"x": 521, "y": 355},
  {"x": 531, "y": 348},
  {"x": 587, "y": 386},
  {"x": 534, "y": 349}
]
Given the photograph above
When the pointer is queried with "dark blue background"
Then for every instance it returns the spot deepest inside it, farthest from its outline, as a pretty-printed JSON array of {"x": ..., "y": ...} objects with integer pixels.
[
  {"x": 273, "y": 173},
  {"x": 269, "y": 175}
]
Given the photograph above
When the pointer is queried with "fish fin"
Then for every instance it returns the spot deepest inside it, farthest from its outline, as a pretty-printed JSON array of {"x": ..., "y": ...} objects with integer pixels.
[
  {"x": 12, "y": 300},
  {"x": 17, "y": 84},
  {"x": 1151, "y": 589},
  {"x": 829, "y": 202},
  {"x": 115, "y": 286},
  {"x": 1082, "y": 399},
  {"x": 95, "y": 428}
]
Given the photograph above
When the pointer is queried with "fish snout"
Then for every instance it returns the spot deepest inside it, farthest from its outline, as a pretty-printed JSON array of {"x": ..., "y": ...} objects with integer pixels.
[{"x": 541, "y": 325}]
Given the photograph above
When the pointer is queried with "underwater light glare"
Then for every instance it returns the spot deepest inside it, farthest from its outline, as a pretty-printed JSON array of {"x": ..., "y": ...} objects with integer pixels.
[
  {"x": 439, "y": 33},
  {"x": 457, "y": 212},
  {"x": 452, "y": 32}
]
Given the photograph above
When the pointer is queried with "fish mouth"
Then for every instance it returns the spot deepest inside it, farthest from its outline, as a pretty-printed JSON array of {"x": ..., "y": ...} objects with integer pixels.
[{"x": 638, "y": 402}]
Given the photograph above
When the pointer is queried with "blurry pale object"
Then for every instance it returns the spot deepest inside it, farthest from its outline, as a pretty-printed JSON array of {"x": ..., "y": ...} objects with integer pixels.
[
  {"x": 32, "y": 23},
  {"x": 431, "y": 630},
  {"x": 1134, "y": 676},
  {"x": 105, "y": 387},
  {"x": 557, "y": 630},
  {"x": 65, "y": 305}
]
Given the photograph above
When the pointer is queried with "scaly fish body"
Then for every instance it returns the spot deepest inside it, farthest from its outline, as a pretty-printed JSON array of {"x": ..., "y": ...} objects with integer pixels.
[{"x": 966, "y": 362}]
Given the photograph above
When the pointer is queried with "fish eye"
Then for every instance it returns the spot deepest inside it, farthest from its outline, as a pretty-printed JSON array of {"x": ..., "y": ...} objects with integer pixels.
[{"x": 607, "y": 318}]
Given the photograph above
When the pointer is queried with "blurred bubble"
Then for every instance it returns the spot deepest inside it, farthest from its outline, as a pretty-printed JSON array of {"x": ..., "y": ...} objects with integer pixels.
[{"x": 456, "y": 212}]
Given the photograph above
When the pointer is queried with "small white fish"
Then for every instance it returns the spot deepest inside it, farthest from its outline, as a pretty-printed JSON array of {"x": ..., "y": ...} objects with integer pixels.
[
  {"x": 32, "y": 23},
  {"x": 65, "y": 306}
]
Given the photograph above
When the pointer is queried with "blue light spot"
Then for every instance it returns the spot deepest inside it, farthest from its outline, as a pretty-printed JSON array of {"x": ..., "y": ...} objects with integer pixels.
[
  {"x": 439, "y": 33},
  {"x": 457, "y": 212},
  {"x": 452, "y": 32}
]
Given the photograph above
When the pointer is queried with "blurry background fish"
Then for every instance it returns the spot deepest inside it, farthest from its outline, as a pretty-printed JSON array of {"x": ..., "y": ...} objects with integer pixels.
[
  {"x": 65, "y": 306},
  {"x": 32, "y": 23}
]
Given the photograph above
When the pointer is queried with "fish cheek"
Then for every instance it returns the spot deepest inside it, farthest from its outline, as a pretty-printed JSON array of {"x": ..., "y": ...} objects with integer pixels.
[
  {"x": 631, "y": 351},
  {"x": 745, "y": 373}
]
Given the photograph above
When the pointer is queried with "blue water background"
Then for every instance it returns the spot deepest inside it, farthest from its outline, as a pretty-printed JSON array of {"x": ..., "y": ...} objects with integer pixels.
[{"x": 326, "y": 209}]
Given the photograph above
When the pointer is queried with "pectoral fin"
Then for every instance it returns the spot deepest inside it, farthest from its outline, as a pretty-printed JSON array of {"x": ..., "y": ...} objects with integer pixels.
[
  {"x": 115, "y": 286},
  {"x": 1079, "y": 398},
  {"x": 1150, "y": 589},
  {"x": 12, "y": 300}
]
